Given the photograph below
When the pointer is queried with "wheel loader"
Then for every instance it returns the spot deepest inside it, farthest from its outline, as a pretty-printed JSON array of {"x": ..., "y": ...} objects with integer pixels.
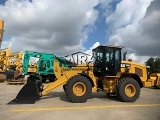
[{"x": 107, "y": 73}]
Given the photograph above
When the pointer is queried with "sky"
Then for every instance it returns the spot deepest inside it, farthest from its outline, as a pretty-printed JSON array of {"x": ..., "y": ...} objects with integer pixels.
[{"x": 68, "y": 26}]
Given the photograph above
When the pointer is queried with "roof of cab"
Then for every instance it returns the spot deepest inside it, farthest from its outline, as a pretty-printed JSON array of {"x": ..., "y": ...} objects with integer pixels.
[{"x": 110, "y": 46}]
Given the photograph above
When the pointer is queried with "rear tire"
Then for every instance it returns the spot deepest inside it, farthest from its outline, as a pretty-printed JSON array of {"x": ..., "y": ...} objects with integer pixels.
[
  {"x": 78, "y": 89},
  {"x": 51, "y": 78},
  {"x": 43, "y": 79},
  {"x": 128, "y": 90}
]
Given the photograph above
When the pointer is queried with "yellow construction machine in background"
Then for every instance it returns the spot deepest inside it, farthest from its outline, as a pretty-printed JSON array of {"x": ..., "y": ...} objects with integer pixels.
[
  {"x": 4, "y": 63},
  {"x": 3, "y": 54},
  {"x": 155, "y": 78},
  {"x": 9, "y": 63},
  {"x": 107, "y": 73},
  {"x": 1, "y": 31},
  {"x": 32, "y": 68},
  {"x": 16, "y": 60},
  {"x": 15, "y": 69}
]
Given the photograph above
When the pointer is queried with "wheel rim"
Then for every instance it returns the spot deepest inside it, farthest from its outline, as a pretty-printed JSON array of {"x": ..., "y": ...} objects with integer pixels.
[
  {"x": 130, "y": 90},
  {"x": 79, "y": 89}
]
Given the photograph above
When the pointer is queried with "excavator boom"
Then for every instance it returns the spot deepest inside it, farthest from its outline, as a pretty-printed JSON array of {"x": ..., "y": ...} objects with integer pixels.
[{"x": 1, "y": 31}]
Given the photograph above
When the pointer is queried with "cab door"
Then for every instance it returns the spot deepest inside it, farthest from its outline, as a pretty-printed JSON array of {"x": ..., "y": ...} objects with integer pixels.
[{"x": 113, "y": 61}]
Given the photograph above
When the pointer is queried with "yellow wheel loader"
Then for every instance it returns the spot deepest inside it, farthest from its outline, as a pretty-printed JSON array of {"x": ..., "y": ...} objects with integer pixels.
[{"x": 107, "y": 73}]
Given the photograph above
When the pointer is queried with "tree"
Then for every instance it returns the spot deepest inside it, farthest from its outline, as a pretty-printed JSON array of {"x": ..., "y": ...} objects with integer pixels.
[
  {"x": 154, "y": 64},
  {"x": 157, "y": 65}
]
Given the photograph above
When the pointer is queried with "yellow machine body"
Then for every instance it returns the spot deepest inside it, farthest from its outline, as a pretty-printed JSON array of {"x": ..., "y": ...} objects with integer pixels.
[
  {"x": 16, "y": 60},
  {"x": 32, "y": 68},
  {"x": 4, "y": 59},
  {"x": 154, "y": 80},
  {"x": 64, "y": 74},
  {"x": 4, "y": 62},
  {"x": 15, "y": 63},
  {"x": 141, "y": 71},
  {"x": 128, "y": 69}
]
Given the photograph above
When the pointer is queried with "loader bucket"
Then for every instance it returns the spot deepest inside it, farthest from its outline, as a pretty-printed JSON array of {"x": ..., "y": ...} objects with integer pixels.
[{"x": 30, "y": 92}]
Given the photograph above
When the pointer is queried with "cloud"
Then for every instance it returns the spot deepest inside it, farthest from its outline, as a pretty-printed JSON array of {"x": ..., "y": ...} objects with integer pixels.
[
  {"x": 128, "y": 12},
  {"x": 48, "y": 25},
  {"x": 135, "y": 25},
  {"x": 89, "y": 51}
]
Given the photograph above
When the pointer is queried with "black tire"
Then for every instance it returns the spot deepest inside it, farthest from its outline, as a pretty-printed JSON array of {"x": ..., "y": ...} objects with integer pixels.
[
  {"x": 122, "y": 88},
  {"x": 51, "y": 80},
  {"x": 39, "y": 78},
  {"x": 44, "y": 80},
  {"x": 82, "y": 81}
]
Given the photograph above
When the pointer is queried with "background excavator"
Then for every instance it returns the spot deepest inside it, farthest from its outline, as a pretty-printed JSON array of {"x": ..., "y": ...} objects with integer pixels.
[
  {"x": 13, "y": 74},
  {"x": 9, "y": 63},
  {"x": 108, "y": 73},
  {"x": 44, "y": 66},
  {"x": 16, "y": 60},
  {"x": 2, "y": 76},
  {"x": 1, "y": 31},
  {"x": 4, "y": 63}
]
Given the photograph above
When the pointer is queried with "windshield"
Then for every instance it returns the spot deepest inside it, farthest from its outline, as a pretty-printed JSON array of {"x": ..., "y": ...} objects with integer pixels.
[{"x": 97, "y": 55}]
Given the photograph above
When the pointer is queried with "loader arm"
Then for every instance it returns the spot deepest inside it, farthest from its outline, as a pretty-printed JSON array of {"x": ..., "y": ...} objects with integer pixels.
[
  {"x": 64, "y": 74},
  {"x": 61, "y": 75},
  {"x": 61, "y": 81}
]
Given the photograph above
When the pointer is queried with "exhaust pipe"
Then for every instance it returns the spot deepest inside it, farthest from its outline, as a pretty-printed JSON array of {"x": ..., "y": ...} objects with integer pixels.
[
  {"x": 30, "y": 92},
  {"x": 124, "y": 55}
]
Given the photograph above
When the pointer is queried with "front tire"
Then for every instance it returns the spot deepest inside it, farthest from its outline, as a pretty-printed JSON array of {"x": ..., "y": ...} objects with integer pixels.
[
  {"x": 78, "y": 89},
  {"x": 128, "y": 90}
]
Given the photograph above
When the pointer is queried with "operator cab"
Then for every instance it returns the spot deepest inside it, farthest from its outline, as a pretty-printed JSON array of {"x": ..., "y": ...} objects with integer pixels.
[{"x": 107, "y": 60}]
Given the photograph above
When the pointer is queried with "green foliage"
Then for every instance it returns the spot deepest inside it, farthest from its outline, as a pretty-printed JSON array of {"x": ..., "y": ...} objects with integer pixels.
[{"x": 154, "y": 64}]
